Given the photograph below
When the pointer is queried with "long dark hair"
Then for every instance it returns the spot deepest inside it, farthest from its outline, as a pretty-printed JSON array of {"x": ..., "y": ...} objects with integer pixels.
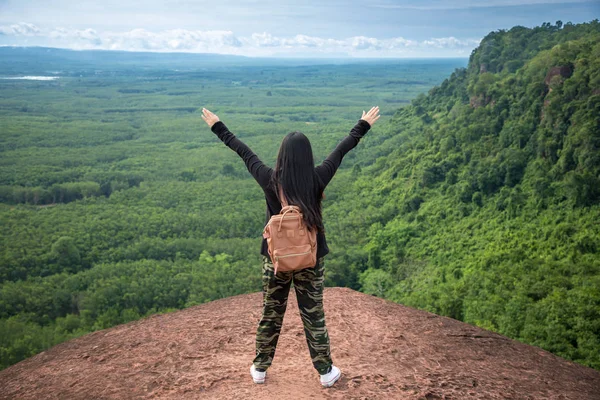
[{"x": 295, "y": 174}]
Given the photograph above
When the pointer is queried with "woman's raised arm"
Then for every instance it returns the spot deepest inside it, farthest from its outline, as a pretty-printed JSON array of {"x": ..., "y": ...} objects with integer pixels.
[
  {"x": 330, "y": 165},
  {"x": 260, "y": 172}
]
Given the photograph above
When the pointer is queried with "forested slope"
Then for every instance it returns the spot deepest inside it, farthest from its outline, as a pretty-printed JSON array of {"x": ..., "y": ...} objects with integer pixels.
[{"x": 486, "y": 205}]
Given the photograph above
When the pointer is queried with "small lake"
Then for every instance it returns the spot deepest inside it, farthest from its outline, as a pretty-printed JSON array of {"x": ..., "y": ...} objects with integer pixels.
[{"x": 31, "y": 78}]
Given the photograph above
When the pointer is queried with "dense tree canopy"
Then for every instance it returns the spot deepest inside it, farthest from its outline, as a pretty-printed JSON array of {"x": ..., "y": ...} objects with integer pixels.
[{"x": 495, "y": 177}]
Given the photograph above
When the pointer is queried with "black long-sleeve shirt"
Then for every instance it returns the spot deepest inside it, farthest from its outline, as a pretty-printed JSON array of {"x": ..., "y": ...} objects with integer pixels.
[{"x": 262, "y": 173}]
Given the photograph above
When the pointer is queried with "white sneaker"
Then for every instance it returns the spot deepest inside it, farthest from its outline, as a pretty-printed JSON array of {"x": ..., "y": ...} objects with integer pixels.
[
  {"x": 257, "y": 376},
  {"x": 329, "y": 379}
]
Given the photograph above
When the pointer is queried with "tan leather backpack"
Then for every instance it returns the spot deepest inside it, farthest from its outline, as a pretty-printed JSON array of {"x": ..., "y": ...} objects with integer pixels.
[{"x": 291, "y": 245}]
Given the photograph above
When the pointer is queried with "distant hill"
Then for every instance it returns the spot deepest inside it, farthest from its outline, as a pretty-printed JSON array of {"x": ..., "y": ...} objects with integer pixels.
[
  {"x": 385, "y": 351},
  {"x": 482, "y": 200},
  {"x": 27, "y": 60},
  {"x": 37, "y": 60}
]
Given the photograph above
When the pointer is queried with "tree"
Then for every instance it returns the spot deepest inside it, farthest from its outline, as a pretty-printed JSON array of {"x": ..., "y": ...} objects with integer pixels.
[
  {"x": 375, "y": 282},
  {"x": 65, "y": 253},
  {"x": 228, "y": 170}
]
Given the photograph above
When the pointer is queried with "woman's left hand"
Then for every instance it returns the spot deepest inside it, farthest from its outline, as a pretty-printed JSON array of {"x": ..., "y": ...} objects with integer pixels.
[{"x": 209, "y": 117}]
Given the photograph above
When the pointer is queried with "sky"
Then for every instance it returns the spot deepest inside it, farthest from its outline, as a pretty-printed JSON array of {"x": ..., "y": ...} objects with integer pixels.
[{"x": 278, "y": 28}]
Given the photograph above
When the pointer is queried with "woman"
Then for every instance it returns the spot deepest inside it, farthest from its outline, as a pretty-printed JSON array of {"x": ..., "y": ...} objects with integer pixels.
[{"x": 301, "y": 184}]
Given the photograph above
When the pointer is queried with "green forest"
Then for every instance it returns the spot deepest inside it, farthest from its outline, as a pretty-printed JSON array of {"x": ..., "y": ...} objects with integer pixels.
[{"x": 477, "y": 195}]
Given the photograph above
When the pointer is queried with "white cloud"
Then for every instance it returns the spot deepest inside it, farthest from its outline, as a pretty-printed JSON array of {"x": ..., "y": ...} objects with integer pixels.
[
  {"x": 299, "y": 41},
  {"x": 144, "y": 40},
  {"x": 226, "y": 42},
  {"x": 450, "y": 43},
  {"x": 400, "y": 42},
  {"x": 172, "y": 40},
  {"x": 86, "y": 35},
  {"x": 364, "y": 43},
  {"x": 20, "y": 29},
  {"x": 264, "y": 40}
]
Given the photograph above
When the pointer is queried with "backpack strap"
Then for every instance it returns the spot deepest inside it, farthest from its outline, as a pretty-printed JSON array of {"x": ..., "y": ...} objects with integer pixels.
[{"x": 282, "y": 199}]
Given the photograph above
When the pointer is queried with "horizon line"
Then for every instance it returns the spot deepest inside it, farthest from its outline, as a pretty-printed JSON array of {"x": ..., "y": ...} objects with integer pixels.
[{"x": 341, "y": 57}]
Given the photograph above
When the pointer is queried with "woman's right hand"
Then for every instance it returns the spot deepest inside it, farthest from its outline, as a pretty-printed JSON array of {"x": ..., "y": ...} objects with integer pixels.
[
  {"x": 372, "y": 116},
  {"x": 209, "y": 117}
]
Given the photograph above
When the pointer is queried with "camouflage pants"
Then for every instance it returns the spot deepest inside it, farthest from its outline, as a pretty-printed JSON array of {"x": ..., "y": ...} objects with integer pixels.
[{"x": 308, "y": 284}]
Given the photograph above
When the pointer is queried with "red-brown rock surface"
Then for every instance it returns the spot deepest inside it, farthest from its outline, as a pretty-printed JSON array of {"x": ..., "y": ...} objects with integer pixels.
[
  {"x": 385, "y": 351},
  {"x": 563, "y": 71}
]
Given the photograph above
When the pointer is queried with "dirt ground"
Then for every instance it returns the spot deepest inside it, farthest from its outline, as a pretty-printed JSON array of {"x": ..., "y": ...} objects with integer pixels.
[{"x": 384, "y": 350}]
